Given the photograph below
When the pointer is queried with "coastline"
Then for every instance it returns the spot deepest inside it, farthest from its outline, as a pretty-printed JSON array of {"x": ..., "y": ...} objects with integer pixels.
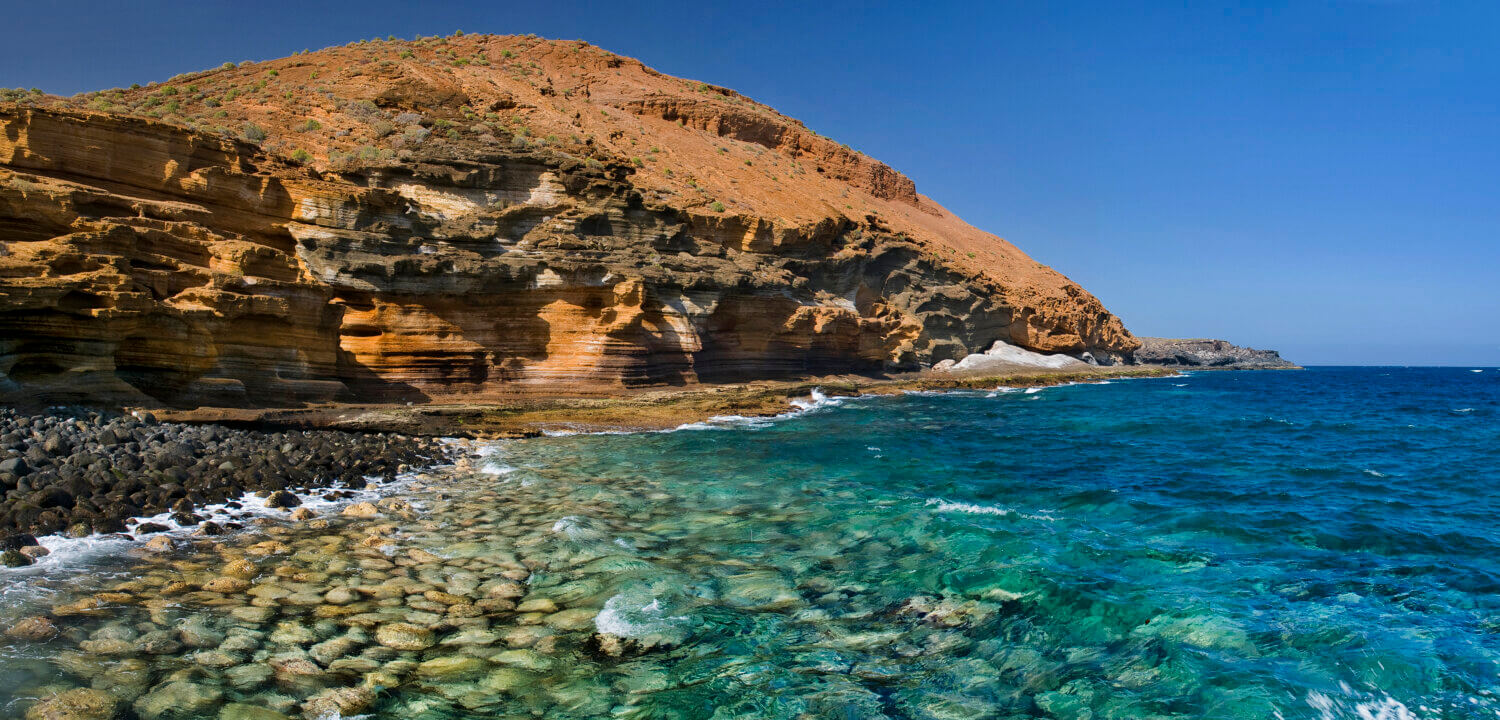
[
  {"x": 631, "y": 410},
  {"x": 199, "y": 471}
]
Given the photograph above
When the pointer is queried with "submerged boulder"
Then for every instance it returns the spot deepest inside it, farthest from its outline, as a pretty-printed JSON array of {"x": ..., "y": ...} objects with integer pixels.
[{"x": 75, "y": 704}]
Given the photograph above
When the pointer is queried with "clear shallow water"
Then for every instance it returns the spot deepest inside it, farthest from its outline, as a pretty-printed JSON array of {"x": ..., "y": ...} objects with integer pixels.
[{"x": 1317, "y": 544}]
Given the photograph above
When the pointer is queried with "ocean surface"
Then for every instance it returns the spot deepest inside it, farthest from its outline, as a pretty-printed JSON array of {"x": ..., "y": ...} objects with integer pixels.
[{"x": 1313, "y": 544}]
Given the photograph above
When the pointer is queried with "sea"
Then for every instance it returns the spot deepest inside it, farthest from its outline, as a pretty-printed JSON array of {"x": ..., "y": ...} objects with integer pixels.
[{"x": 1322, "y": 543}]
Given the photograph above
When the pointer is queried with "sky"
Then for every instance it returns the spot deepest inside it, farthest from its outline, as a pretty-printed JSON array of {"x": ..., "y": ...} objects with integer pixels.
[{"x": 1320, "y": 177}]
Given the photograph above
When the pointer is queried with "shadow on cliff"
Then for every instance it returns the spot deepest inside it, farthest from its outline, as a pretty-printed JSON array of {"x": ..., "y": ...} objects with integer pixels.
[{"x": 365, "y": 385}]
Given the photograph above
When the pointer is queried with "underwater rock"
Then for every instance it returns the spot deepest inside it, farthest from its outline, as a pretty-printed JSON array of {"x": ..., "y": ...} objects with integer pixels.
[
  {"x": 178, "y": 699},
  {"x": 332, "y": 649},
  {"x": 338, "y": 702},
  {"x": 572, "y": 618},
  {"x": 75, "y": 704},
  {"x": 253, "y": 615},
  {"x": 196, "y": 633},
  {"x": 227, "y": 585},
  {"x": 248, "y": 677},
  {"x": 450, "y": 668},
  {"x": 282, "y": 499},
  {"x": 524, "y": 659},
  {"x": 107, "y": 647},
  {"x": 243, "y": 711},
  {"x": 404, "y": 636},
  {"x": 241, "y": 568},
  {"x": 760, "y": 591},
  {"x": 35, "y": 628},
  {"x": 537, "y": 605},
  {"x": 292, "y": 633},
  {"x": 216, "y": 659},
  {"x": 341, "y": 596}
]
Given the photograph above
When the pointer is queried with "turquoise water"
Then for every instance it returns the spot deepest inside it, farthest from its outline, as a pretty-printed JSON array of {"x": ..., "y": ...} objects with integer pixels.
[{"x": 1316, "y": 544}]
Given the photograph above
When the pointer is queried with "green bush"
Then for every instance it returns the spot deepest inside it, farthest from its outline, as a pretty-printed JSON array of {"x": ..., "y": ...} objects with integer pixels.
[
  {"x": 301, "y": 156},
  {"x": 716, "y": 206},
  {"x": 310, "y": 126},
  {"x": 253, "y": 133}
]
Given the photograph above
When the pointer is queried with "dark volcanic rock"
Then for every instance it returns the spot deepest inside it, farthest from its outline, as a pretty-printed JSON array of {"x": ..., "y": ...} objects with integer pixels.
[
  {"x": 86, "y": 471},
  {"x": 283, "y": 499},
  {"x": 1202, "y": 353}
]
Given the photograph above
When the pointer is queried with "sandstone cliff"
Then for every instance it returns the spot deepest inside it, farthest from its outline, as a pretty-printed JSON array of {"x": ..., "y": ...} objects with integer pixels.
[{"x": 471, "y": 217}]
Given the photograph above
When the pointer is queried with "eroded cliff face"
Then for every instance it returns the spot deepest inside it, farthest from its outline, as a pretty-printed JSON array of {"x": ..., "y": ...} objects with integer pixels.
[{"x": 148, "y": 263}]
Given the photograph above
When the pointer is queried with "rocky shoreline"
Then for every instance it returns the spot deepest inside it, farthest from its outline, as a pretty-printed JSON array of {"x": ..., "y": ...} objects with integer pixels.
[
  {"x": 82, "y": 472},
  {"x": 634, "y": 410}
]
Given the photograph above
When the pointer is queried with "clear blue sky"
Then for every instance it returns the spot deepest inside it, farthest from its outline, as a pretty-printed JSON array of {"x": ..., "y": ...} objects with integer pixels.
[{"x": 1317, "y": 176}]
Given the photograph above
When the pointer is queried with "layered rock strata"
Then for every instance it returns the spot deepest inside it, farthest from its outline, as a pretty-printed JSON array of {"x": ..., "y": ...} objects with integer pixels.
[{"x": 157, "y": 263}]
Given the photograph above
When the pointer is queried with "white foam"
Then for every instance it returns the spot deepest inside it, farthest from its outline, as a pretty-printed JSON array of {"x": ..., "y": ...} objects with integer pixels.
[
  {"x": 1463, "y": 410},
  {"x": 618, "y": 617},
  {"x": 1384, "y": 707},
  {"x": 1375, "y": 473},
  {"x": 578, "y": 529},
  {"x": 69, "y": 555},
  {"x": 947, "y": 506},
  {"x": 968, "y": 508},
  {"x": 491, "y": 463},
  {"x": 816, "y": 400},
  {"x": 813, "y": 401}
]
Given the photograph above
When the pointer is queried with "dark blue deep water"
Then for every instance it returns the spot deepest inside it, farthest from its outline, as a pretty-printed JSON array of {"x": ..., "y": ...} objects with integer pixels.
[{"x": 1303, "y": 544}]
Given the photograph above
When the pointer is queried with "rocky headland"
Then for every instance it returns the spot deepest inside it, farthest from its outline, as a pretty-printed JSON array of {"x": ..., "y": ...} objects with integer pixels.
[
  {"x": 1205, "y": 354},
  {"x": 475, "y": 217}
]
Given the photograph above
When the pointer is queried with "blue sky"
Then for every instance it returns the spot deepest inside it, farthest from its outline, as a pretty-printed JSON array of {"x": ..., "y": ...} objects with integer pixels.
[{"x": 1317, "y": 176}]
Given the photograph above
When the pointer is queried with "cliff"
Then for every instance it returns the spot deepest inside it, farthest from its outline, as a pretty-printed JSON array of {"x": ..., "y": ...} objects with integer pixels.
[
  {"x": 1207, "y": 354},
  {"x": 474, "y": 217}
]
